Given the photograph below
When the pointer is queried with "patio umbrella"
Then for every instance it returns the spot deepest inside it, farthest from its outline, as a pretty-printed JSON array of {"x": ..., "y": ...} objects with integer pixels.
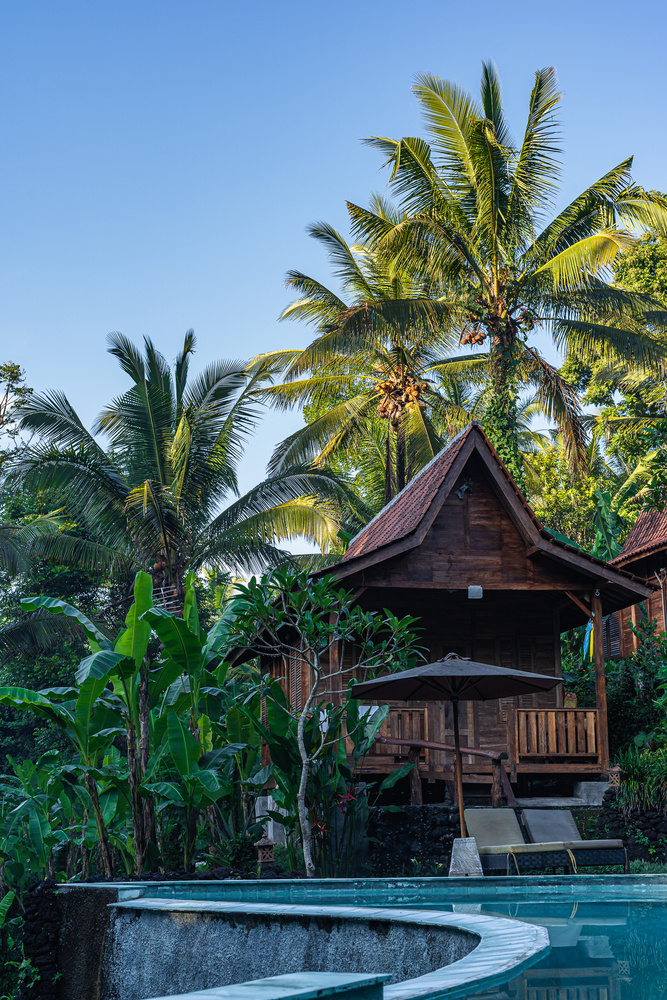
[{"x": 454, "y": 679}]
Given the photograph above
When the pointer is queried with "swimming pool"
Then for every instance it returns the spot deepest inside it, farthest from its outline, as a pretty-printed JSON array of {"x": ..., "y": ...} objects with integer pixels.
[{"x": 607, "y": 935}]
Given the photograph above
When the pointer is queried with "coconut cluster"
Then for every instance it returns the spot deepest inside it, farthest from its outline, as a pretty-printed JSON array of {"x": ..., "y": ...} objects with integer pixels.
[{"x": 398, "y": 394}]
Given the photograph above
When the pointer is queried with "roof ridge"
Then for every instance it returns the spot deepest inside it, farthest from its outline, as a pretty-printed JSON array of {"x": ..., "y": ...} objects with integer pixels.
[
  {"x": 440, "y": 455},
  {"x": 409, "y": 490},
  {"x": 648, "y": 533}
]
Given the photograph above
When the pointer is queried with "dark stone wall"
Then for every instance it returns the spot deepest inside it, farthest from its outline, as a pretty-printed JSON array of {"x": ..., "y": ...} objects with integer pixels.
[
  {"x": 643, "y": 830},
  {"x": 423, "y": 833},
  {"x": 84, "y": 920},
  {"x": 40, "y": 939},
  {"x": 152, "y": 953}
]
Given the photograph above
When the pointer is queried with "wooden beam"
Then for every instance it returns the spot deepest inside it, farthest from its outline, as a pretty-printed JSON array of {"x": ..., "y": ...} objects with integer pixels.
[
  {"x": 604, "y": 573},
  {"x": 600, "y": 682},
  {"x": 580, "y": 604},
  {"x": 432, "y": 745},
  {"x": 507, "y": 788}
]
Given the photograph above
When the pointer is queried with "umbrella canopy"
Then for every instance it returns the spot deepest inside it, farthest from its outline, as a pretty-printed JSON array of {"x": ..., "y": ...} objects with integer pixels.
[{"x": 455, "y": 679}]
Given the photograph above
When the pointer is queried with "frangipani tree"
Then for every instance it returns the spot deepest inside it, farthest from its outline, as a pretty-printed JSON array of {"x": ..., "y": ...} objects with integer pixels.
[{"x": 290, "y": 618}]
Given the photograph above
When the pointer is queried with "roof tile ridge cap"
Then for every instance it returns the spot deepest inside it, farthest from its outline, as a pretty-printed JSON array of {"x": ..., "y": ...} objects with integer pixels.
[
  {"x": 639, "y": 550},
  {"x": 647, "y": 519},
  {"x": 458, "y": 439}
]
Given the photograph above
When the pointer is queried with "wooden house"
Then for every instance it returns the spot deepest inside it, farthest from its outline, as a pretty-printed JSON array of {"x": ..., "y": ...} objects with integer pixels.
[
  {"x": 461, "y": 549},
  {"x": 645, "y": 555}
]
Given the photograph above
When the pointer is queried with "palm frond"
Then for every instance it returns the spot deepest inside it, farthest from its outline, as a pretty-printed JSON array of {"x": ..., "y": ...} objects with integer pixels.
[
  {"x": 560, "y": 403},
  {"x": 536, "y": 168}
]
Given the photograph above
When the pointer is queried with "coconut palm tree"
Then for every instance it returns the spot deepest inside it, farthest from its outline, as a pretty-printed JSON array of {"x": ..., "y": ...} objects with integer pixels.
[
  {"x": 485, "y": 269},
  {"x": 154, "y": 499},
  {"x": 475, "y": 205},
  {"x": 382, "y": 390}
]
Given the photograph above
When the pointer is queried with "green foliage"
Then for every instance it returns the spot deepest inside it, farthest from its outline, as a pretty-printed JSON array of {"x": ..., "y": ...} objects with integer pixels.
[
  {"x": 563, "y": 504},
  {"x": 240, "y": 852},
  {"x": 339, "y": 802},
  {"x": 283, "y": 604},
  {"x": 184, "y": 785},
  {"x": 643, "y": 267},
  {"x": 644, "y": 779},
  {"x": 297, "y": 620},
  {"x": 636, "y": 692},
  {"x": 466, "y": 260},
  {"x": 153, "y": 500}
]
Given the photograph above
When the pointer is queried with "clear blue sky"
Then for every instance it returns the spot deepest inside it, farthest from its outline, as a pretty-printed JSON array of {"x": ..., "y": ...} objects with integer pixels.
[{"x": 161, "y": 159}]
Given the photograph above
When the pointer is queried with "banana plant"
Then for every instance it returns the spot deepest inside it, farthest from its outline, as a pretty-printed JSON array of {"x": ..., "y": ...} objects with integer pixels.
[
  {"x": 190, "y": 675},
  {"x": 89, "y": 721},
  {"x": 203, "y": 779}
]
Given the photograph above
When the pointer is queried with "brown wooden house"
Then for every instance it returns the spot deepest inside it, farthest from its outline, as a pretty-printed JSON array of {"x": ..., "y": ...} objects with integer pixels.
[
  {"x": 645, "y": 555},
  {"x": 463, "y": 523}
]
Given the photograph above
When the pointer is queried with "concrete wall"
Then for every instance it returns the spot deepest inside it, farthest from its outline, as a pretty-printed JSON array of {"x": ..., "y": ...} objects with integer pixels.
[
  {"x": 156, "y": 953},
  {"x": 109, "y": 953}
]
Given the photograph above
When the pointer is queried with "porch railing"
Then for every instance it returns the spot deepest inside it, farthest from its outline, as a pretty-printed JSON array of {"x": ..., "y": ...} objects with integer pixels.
[
  {"x": 553, "y": 734},
  {"x": 402, "y": 724}
]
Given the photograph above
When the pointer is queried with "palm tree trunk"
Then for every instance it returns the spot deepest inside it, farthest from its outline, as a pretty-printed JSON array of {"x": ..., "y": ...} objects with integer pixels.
[
  {"x": 400, "y": 455},
  {"x": 500, "y": 418},
  {"x": 388, "y": 490}
]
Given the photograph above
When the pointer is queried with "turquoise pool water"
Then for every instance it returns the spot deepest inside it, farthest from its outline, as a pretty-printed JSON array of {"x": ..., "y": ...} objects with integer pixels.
[
  {"x": 608, "y": 934},
  {"x": 599, "y": 951},
  {"x": 604, "y": 949}
]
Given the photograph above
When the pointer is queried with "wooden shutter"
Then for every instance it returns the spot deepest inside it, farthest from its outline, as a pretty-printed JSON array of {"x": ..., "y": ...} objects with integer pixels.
[{"x": 295, "y": 676}]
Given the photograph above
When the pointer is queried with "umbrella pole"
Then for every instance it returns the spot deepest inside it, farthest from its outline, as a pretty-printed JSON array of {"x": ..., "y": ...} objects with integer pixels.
[{"x": 459, "y": 767}]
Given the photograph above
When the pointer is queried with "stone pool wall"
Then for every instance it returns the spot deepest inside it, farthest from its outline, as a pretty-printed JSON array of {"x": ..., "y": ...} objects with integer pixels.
[{"x": 157, "y": 953}]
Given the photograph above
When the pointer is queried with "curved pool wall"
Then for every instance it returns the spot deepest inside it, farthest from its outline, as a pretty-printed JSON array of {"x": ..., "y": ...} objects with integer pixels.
[
  {"x": 152, "y": 943},
  {"x": 147, "y": 940}
]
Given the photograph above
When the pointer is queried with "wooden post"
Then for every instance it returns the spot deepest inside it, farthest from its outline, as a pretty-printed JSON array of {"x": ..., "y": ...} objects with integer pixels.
[
  {"x": 600, "y": 683},
  {"x": 496, "y": 785},
  {"x": 459, "y": 765},
  {"x": 415, "y": 780}
]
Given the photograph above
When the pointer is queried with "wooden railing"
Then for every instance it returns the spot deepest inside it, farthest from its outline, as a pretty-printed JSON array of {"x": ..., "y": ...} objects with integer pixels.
[
  {"x": 553, "y": 734},
  {"x": 499, "y": 781},
  {"x": 403, "y": 724}
]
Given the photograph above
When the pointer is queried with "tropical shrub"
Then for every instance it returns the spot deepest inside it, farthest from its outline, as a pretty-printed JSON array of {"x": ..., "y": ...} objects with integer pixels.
[{"x": 287, "y": 617}]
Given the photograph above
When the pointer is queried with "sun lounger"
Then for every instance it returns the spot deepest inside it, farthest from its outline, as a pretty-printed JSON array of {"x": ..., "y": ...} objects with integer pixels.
[
  {"x": 559, "y": 824},
  {"x": 502, "y": 846}
]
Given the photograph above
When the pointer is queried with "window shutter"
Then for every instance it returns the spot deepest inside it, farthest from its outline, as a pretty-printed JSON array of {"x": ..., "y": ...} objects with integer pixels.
[{"x": 295, "y": 675}]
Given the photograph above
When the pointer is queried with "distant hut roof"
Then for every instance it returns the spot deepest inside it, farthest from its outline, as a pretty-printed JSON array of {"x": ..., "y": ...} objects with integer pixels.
[{"x": 648, "y": 535}]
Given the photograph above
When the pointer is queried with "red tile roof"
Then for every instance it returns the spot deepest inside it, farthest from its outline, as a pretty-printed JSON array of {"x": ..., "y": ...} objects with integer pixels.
[
  {"x": 648, "y": 535},
  {"x": 405, "y": 512}
]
